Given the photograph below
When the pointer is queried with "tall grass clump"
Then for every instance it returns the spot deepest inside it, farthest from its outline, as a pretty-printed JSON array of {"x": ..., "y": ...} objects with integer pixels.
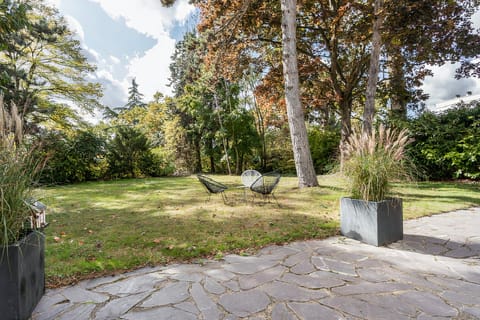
[
  {"x": 373, "y": 160},
  {"x": 18, "y": 169}
]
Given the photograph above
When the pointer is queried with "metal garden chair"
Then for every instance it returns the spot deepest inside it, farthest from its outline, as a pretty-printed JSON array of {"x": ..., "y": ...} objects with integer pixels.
[
  {"x": 212, "y": 186},
  {"x": 266, "y": 184}
]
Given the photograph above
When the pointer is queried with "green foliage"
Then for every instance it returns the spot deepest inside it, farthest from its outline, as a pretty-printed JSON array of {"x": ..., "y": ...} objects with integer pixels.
[
  {"x": 447, "y": 145},
  {"x": 128, "y": 153},
  {"x": 73, "y": 159},
  {"x": 324, "y": 148},
  {"x": 373, "y": 160},
  {"x": 41, "y": 64},
  {"x": 279, "y": 151}
]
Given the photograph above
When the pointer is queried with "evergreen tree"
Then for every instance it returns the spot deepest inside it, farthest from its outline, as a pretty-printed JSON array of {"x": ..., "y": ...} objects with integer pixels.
[{"x": 134, "y": 97}]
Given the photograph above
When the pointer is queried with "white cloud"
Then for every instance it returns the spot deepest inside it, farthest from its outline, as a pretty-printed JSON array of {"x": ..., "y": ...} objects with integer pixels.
[
  {"x": 443, "y": 85},
  {"x": 114, "y": 59},
  {"x": 114, "y": 91},
  {"x": 147, "y": 16},
  {"x": 76, "y": 27},
  {"x": 152, "y": 70}
]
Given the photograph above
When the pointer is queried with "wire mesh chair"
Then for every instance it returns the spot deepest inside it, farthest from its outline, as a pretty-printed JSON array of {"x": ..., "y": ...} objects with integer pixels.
[
  {"x": 212, "y": 186},
  {"x": 266, "y": 184},
  {"x": 249, "y": 176}
]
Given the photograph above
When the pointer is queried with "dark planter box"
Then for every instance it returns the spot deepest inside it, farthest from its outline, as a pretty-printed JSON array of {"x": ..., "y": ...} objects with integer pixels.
[
  {"x": 22, "y": 276},
  {"x": 375, "y": 223}
]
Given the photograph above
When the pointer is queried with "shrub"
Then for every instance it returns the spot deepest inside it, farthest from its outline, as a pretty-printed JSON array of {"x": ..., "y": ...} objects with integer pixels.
[
  {"x": 446, "y": 145},
  {"x": 324, "y": 148},
  {"x": 373, "y": 160}
]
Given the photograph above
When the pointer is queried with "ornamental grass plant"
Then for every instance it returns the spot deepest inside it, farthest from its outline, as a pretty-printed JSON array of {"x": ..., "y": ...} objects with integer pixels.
[
  {"x": 373, "y": 161},
  {"x": 18, "y": 169}
]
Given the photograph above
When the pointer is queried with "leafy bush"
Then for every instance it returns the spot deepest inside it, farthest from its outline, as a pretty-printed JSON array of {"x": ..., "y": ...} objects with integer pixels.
[
  {"x": 447, "y": 145},
  {"x": 74, "y": 159},
  {"x": 324, "y": 148},
  {"x": 373, "y": 160}
]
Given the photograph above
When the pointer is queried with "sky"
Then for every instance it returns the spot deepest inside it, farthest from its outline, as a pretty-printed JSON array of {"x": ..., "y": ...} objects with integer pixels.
[{"x": 129, "y": 39}]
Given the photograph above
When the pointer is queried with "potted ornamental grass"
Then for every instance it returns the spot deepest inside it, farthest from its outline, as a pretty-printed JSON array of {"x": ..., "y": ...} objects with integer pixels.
[
  {"x": 372, "y": 161},
  {"x": 22, "y": 276}
]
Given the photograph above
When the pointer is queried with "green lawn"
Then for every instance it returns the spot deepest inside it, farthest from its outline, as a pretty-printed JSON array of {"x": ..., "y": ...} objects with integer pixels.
[{"x": 105, "y": 227}]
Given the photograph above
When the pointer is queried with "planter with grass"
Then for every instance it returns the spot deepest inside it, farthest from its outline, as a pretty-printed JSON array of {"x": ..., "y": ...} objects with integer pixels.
[
  {"x": 372, "y": 161},
  {"x": 22, "y": 275}
]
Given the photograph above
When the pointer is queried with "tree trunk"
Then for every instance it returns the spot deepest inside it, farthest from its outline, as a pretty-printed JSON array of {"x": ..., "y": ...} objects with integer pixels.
[
  {"x": 397, "y": 84},
  {"x": 369, "y": 110},
  {"x": 298, "y": 131},
  {"x": 346, "y": 126}
]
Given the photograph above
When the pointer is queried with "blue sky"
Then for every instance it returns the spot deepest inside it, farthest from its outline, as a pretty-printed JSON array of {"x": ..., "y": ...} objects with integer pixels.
[{"x": 129, "y": 39}]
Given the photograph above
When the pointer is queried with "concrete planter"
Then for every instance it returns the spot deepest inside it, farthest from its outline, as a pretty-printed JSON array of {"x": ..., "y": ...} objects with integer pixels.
[
  {"x": 22, "y": 276},
  {"x": 375, "y": 223}
]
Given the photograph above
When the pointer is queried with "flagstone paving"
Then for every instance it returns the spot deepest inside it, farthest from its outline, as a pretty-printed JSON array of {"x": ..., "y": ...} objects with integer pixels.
[{"x": 434, "y": 273}]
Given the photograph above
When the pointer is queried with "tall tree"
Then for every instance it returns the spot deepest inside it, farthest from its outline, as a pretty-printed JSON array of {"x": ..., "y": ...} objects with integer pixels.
[
  {"x": 42, "y": 64},
  {"x": 296, "y": 120}
]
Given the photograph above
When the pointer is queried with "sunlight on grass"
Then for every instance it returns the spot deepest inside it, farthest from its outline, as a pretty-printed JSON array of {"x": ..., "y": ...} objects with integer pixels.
[{"x": 106, "y": 227}]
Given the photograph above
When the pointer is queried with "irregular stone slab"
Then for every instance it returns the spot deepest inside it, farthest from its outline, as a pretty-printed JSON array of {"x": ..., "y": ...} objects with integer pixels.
[
  {"x": 391, "y": 302},
  {"x": 462, "y": 252},
  {"x": 461, "y": 298},
  {"x": 93, "y": 283},
  {"x": 172, "y": 293},
  {"x": 259, "y": 278},
  {"x": 367, "y": 287},
  {"x": 430, "y": 304},
  {"x": 204, "y": 303},
  {"x": 303, "y": 267},
  {"x": 81, "y": 311},
  {"x": 336, "y": 266},
  {"x": 375, "y": 274},
  {"x": 250, "y": 266},
  {"x": 131, "y": 285},
  {"x": 77, "y": 294},
  {"x": 358, "y": 308},
  {"x": 191, "y": 277},
  {"x": 282, "y": 291},
  {"x": 213, "y": 286},
  {"x": 280, "y": 312},
  {"x": 166, "y": 313},
  {"x": 314, "y": 311},
  {"x": 117, "y": 307},
  {"x": 458, "y": 285},
  {"x": 296, "y": 259},
  {"x": 187, "y": 306},
  {"x": 245, "y": 303},
  {"x": 50, "y": 312},
  {"x": 232, "y": 285},
  {"x": 315, "y": 280},
  {"x": 220, "y": 274}
]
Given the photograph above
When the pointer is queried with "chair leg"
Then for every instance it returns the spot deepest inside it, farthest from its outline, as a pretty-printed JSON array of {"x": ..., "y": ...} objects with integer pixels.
[{"x": 224, "y": 197}]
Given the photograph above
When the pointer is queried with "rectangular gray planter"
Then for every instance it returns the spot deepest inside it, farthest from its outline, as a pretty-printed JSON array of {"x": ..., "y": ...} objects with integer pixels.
[
  {"x": 22, "y": 276},
  {"x": 375, "y": 223}
]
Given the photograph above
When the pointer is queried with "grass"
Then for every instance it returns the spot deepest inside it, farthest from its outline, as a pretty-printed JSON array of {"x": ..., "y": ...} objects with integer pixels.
[{"x": 106, "y": 227}]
